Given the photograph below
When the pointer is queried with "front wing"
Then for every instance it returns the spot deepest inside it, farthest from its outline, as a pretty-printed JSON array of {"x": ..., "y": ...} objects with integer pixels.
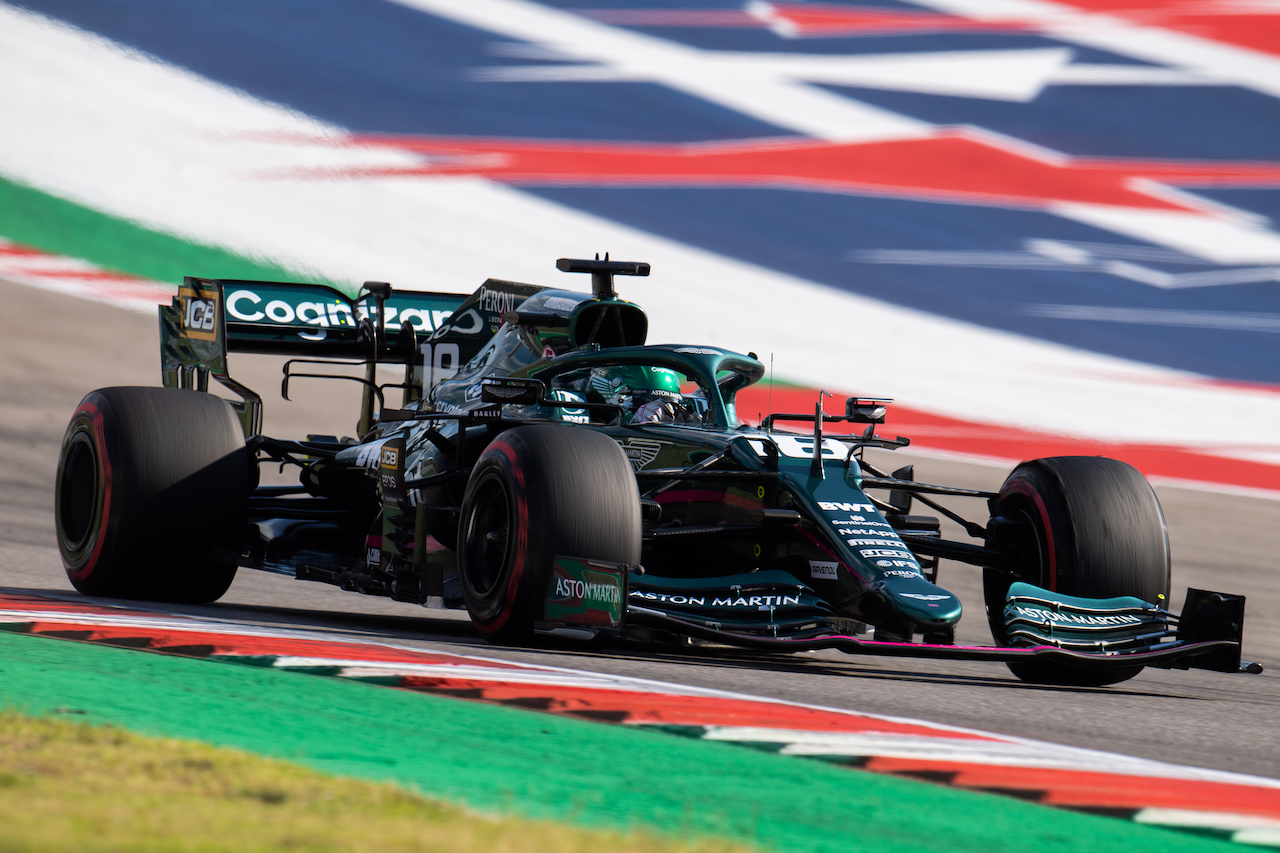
[
  {"x": 1178, "y": 655},
  {"x": 1048, "y": 626}
]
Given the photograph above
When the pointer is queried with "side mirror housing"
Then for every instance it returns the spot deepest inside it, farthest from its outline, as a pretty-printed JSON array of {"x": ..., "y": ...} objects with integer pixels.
[{"x": 866, "y": 410}]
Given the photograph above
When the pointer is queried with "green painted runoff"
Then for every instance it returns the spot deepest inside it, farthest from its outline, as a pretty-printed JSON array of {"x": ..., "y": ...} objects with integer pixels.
[{"x": 522, "y": 762}]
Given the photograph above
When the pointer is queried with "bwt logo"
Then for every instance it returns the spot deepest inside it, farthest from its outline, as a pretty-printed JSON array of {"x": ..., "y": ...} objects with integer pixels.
[
  {"x": 833, "y": 506},
  {"x": 390, "y": 456}
]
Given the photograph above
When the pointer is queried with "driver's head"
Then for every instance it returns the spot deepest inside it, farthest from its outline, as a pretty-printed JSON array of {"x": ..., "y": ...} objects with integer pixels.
[{"x": 648, "y": 394}]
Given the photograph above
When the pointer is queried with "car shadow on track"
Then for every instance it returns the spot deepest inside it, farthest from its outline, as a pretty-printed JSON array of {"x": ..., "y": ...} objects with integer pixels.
[
  {"x": 449, "y": 629},
  {"x": 729, "y": 659}
]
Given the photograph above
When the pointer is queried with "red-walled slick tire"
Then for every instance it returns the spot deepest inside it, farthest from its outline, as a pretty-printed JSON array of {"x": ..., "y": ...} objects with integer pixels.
[
  {"x": 1099, "y": 533},
  {"x": 538, "y": 492},
  {"x": 151, "y": 494}
]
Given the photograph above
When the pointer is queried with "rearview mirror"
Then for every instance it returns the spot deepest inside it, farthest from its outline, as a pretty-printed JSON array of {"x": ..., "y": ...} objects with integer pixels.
[{"x": 865, "y": 410}]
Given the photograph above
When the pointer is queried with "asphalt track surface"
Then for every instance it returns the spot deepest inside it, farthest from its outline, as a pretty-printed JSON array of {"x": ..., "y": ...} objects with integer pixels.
[{"x": 54, "y": 349}]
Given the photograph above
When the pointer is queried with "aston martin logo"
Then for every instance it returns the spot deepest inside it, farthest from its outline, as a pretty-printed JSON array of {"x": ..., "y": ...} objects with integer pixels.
[{"x": 640, "y": 451}]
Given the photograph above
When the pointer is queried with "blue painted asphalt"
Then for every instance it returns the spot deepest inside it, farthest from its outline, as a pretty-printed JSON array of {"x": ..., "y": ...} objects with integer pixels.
[{"x": 380, "y": 67}]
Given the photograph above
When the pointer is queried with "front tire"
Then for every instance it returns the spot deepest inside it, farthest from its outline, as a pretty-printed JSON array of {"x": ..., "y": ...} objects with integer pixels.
[
  {"x": 151, "y": 494},
  {"x": 538, "y": 492},
  {"x": 1099, "y": 533}
]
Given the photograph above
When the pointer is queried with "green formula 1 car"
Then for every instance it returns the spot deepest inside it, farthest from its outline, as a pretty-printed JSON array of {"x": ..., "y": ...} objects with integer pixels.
[{"x": 551, "y": 472}]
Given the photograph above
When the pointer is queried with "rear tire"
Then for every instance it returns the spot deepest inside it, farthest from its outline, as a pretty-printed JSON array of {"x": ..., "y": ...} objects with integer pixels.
[
  {"x": 151, "y": 495},
  {"x": 538, "y": 492},
  {"x": 1099, "y": 532}
]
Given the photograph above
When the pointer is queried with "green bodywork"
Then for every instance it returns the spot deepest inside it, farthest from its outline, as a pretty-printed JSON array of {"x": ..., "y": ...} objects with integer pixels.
[
  {"x": 841, "y": 563},
  {"x": 837, "y": 561}
]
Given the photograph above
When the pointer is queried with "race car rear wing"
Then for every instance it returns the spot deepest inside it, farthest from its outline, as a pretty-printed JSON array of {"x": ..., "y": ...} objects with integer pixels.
[{"x": 432, "y": 334}]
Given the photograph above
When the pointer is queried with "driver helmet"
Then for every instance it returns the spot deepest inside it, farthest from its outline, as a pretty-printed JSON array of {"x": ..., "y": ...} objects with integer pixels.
[{"x": 647, "y": 394}]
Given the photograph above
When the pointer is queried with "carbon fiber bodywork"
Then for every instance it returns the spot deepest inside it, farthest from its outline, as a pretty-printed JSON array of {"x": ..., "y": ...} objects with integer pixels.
[{"x": 752, "y": 535}]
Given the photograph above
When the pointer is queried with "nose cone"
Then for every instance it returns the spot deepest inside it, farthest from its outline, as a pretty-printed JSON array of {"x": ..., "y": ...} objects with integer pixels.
[{"x": 927, "y": 605}]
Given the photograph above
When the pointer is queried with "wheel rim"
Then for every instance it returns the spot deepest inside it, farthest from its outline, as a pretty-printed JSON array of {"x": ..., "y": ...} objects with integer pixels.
[
  {"x": 1014, "y": 506},
  {"x": 1027, "y": 515},
  {"x": 78, "y": 492},
  {"x": 487, "y": 536}
]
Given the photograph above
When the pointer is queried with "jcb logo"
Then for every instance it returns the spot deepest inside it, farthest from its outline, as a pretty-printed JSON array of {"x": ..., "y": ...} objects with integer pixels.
[
  {"x": 390, "y": 456},
  {"x": 199, "y": 313}
]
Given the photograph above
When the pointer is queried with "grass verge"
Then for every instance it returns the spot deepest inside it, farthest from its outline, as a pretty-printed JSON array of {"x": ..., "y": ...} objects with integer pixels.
[
  {"x": 503, "y": 760},
  {"x": 70, "y": 786}
]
